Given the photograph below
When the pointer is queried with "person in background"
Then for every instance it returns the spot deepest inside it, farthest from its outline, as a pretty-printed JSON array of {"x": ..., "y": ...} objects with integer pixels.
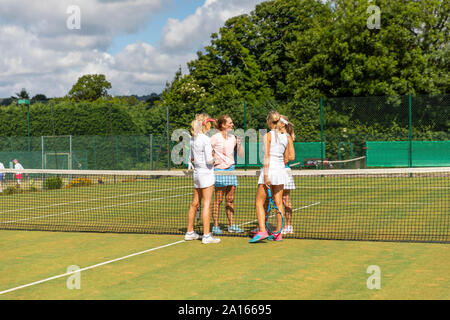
[
  {"x": 19, "y": 174},
  {"x": 201, "y": 153},
  {"x": 288, "y": 129},
  {"x": 2, "y": 175},
  {"x": 224, "y": 144}
]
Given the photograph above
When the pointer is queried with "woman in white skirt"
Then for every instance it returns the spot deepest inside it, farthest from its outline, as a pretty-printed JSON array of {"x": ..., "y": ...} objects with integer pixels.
[
  {"x": 202, "y": 156},
  {"x": 273, "y": 175},
  {"x": 288, "y": 129}
]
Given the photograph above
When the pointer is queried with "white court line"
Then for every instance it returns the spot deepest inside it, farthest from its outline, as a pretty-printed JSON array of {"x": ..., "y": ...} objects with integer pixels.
[{"x": 90, "y": 267}]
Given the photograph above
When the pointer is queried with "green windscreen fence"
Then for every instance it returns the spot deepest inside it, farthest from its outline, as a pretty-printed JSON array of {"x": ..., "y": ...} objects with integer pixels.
[
  {"x": 398, "y": 153},
  {"x": 304, "y": 151}
]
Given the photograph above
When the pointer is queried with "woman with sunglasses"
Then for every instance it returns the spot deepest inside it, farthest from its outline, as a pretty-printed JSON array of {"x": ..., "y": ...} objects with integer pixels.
[{"x": 224, "y": 144}]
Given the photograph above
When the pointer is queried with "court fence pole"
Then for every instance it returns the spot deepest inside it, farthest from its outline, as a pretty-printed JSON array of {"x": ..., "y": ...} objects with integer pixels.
[
  {"x": 246, "y": 140},
  {"x": 322, "y": 156},
  {"x": 168, "y": 138},
  {"x": 410, "y": 131}
]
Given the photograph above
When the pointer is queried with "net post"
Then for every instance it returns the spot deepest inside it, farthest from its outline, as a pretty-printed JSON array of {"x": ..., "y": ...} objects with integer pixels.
[
  {"x": 42, "y": 151},
  {"x": 321, "y": 132},
  {"x": 28, "y": 120},
  {"x": 410, "y": 130},
  {"x": 245, "y": 137},
  {"x": 69, "y": 165},
  {"x": 151, "y": 151},
  {"x": 168, "y": 138}
]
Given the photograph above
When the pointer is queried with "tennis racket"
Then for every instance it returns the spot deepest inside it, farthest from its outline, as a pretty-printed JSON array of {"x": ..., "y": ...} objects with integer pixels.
[{"x": 274, "y": 217}]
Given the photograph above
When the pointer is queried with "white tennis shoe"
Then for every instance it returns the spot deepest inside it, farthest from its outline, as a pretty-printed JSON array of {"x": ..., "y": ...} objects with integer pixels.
[
  {"x": 208, "y": 238},
  {"x": 191, "y": 236},
  {"x": 287, "y": 230}
]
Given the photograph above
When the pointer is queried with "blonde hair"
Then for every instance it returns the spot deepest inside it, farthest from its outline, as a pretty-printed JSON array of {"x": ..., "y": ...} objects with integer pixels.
[
  {"x": 197, "y": 125},
  {"x": 289, "y": 126},
  {"x": 273, "y": 122}
]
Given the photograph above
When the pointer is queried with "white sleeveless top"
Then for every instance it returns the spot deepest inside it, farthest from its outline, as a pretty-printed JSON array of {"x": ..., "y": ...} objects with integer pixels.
[{"x": 277, "y": 172}]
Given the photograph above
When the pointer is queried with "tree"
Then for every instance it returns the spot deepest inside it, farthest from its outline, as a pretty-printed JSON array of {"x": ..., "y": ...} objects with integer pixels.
[
  {"x": 39, "y": 98},
  {"x": 153, "y": 98},
  {"x": 343, "y": 57},
  {"x": 90, "y": 87},
  {"x": 23, "y": 94},
  {"x": 304, "y": 49}
]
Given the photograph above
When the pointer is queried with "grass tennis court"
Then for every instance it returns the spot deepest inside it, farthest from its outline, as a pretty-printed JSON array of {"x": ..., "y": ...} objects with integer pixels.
[
  {"x": 135, "y": 249},
  {"x": 301, "y": 269}
]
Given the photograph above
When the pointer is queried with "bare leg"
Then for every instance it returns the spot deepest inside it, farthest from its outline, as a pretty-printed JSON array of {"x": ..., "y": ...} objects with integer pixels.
[
  {"x": 206, "y": 197},
  {"x": 216, "y": 205},
  {"x": 261, "y": 196},
  {"x": 230, "y": 204},
  {"x": 287, "y": 206},
  {"x": 277, "y": 194},
  {"x": 196, "y": 200}
]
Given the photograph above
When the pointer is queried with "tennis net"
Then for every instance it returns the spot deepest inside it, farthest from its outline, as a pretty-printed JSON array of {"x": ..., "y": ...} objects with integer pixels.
[{"x": 410, "y": 204}]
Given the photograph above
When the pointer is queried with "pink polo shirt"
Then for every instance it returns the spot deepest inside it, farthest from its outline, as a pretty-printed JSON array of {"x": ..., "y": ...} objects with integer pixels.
[{"x": 224, "y": 149}]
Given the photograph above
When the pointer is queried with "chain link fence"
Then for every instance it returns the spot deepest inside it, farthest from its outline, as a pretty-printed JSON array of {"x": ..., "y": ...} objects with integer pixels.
[{"x": 353, "y": 132}]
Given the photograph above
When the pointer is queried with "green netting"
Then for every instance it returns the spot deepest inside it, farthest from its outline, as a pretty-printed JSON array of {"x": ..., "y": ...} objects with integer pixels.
[
  {"x": 86, "y": 152},
  {"x": 32, "y": 159},
  {"x": 398, "y": 153}
]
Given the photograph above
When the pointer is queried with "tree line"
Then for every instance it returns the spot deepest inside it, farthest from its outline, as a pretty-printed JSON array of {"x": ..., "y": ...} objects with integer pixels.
[{"x": 284, "y": 55}]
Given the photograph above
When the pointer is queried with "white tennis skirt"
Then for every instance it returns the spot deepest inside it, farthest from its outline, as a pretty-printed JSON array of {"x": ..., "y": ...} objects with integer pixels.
[
  {"x": 289, "y": 185},
  {"x": 276, "y": 176},
  {"x": 203, "y": 179}
]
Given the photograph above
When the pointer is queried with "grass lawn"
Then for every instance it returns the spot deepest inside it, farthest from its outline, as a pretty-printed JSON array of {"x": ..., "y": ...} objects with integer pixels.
[{"x": 233, "y": 269}]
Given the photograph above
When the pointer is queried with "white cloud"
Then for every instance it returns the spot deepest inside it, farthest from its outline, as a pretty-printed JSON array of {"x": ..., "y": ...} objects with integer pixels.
[
  {"x": 194, "y": 31},
  {"x": 40, "y": 54}
]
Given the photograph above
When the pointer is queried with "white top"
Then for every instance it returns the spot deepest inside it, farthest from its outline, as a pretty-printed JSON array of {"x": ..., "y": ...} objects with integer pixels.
[
  {"x": 277, "y": 173},
  {"x": 201, "y": 151},
  {"x": 18, "y": 166},
  {"x": 224, "y": 150},
  {"x": 278, "y": 145},
  {"x": 1, "y": 167}
]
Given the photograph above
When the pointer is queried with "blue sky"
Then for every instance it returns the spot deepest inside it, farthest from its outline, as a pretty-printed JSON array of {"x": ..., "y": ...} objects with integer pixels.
[
  {"x": 152, "y": 31},
  {"x": 137, "y": 44}
]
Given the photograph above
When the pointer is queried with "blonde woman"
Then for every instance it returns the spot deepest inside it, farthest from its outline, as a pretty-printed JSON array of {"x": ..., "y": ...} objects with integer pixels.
[
  {"x": 272, "y": 176},
  {"x": 288, "y": 129},
  {"x": 201, "y": 153}
]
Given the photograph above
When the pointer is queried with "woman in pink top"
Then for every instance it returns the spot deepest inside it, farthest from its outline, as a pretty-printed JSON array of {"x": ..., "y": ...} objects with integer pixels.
[{"x": 224, "y": 144}]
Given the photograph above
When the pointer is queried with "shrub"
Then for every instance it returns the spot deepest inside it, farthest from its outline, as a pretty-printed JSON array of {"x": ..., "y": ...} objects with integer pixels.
[
  {"x": 11, "y": 190},
  {"x": 53, "y": 183}
]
